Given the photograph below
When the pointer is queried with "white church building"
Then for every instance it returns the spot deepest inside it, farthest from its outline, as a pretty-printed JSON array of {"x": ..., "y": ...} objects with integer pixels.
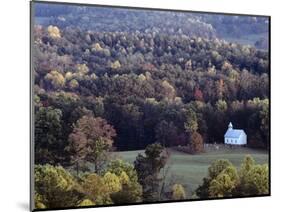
[{"x": 235, "y": 136}]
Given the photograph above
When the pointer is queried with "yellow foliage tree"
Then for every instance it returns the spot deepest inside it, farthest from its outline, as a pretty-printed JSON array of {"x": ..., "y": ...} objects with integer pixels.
[
  {"x": 124, "y": 178},
  {"x": 131, "y": 189},
  {"x": 54, "y": 31},
  {"x": 225, "y": 183},
  {"x": 55, "y": 187},
  {"x": 82, "y": 68},
  {"x": 221, "y": 105},
  {"x": 86, "y": 202},
  {"x": 96, "y": 47},
  {"x": 38, "y": 201},
  {"x": 196, "y": 143},
  {"x": 115, "y": 65},
  {"x": 112, "y": 182},
  {"x": 56, "y": 78},
  {"x": 141, "y": 77},
  {"x": 73, "y": 83},
  {"x": 178, "y": 192},
  {"x": 68, "y": 75},
  {"x": 95, "y": 189},
  {"x": 169, "y": 90}
]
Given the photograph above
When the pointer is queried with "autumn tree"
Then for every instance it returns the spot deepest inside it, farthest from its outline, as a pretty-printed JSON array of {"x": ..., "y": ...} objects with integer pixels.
[
  {"x": 191, "y": 126},
  {"x": 254, "y": 179},
  {"x": 196, "y": 144},
  {"x": 224, "y": 180},
  {"x": 56, "y": 79},
  {"x": 82, "y": 69},
  {"x": 55, "y": 187},
  {"x": 131, "y": 189},
  {"x": 178, "y": 192},
  {"x": 54, "y": 31},
  {"x": 221, "y": 105},
  {"x": 220, "y": 87},
  {"x": 168, "y": 90},
  {"x": 112, "y": 182},
  {"x": 115, "y": 65},
  {"x": 257, "y": 181},
  {"x": 73, "y": 84},
  {"x": 214, "y": 170},
  {"x": 94, "y": 189},
  {"x": 96, "y": 47},
  {"x": 198, "y": 95},
  {"x": 225, "y": 183},
  {"x": 90, "y": 141},
  {"x": 111, "y": 187},
  {"x": 118, "y": 166},
  {"x": 148, "y": 167},
  {"x": 86, "y": 202}
]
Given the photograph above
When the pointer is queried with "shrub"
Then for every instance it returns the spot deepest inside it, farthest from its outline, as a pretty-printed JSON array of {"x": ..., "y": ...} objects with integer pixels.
[{"x": 178, "y": 192}]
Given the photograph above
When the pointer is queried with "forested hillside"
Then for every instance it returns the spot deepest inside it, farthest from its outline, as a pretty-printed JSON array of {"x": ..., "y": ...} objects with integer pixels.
[{"x": 142, "y": 82}]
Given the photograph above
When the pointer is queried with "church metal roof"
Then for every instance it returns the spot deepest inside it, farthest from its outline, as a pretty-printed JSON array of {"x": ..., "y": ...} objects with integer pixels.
[{"x": 233, "y": 133}]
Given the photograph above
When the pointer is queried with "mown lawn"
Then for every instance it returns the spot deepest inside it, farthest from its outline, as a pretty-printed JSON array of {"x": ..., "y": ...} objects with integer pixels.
[{"x": 189, "y": 170}]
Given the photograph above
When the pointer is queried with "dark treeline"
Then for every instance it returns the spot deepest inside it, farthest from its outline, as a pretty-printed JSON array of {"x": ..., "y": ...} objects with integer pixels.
[
  {"x": 237, "y": 26},
  {"x": 150, "y": 87}
]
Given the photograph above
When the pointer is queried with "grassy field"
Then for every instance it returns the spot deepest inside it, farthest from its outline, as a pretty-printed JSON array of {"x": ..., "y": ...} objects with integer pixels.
[{"x": 189, "y": 170}]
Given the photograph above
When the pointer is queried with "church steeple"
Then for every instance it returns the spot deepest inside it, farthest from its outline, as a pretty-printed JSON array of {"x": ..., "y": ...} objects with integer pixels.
[{"x": 230, "y": 126}]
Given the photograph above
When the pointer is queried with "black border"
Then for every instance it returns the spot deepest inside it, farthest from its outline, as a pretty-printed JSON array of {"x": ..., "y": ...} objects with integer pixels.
[{"x": 31, "y": 156}]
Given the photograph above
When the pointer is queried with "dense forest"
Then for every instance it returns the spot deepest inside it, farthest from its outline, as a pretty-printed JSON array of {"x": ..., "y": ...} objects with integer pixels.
[
  {"x": 142, "y": 82},
  {"x": 128, "y": 80}
]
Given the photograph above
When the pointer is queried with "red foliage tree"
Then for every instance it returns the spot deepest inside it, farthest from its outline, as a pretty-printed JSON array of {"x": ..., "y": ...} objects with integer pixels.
[{"x": 198, "y": 95}]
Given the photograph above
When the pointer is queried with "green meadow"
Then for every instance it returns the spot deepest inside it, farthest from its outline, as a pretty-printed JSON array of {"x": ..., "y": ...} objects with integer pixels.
[{"x": 189, "y": 170}]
